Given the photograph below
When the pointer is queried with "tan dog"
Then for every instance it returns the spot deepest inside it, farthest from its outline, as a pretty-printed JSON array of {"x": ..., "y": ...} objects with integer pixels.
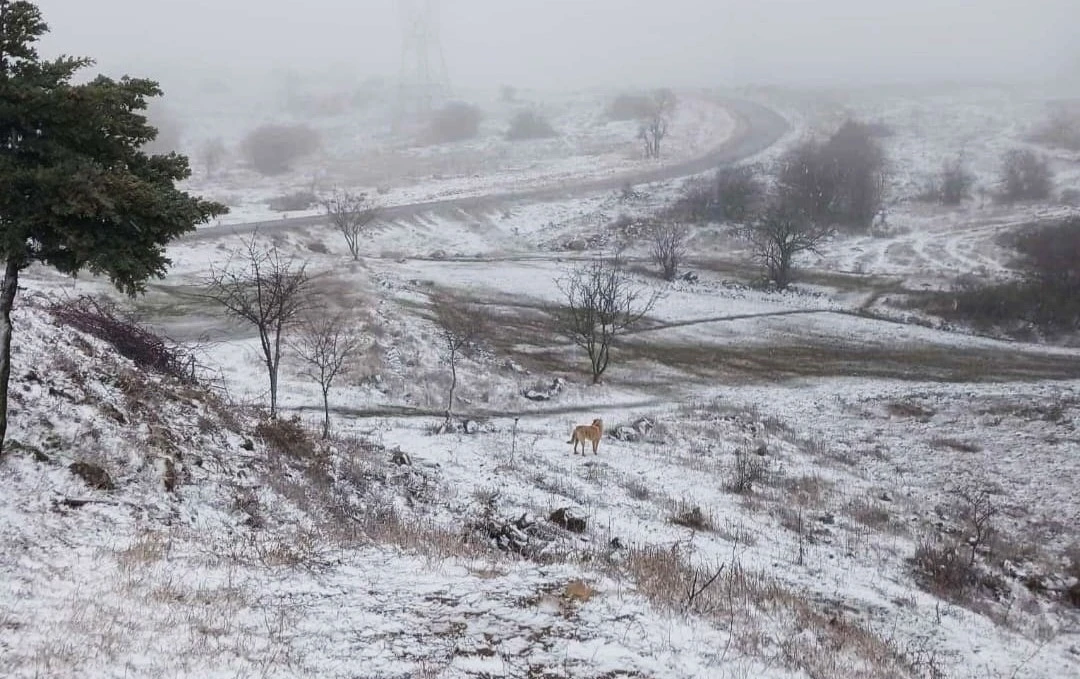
[{"x": 587, "y": 432}]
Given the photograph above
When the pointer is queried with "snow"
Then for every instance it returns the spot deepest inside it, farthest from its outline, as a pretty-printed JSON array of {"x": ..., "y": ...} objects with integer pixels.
[{"x": 850, "y": 410}]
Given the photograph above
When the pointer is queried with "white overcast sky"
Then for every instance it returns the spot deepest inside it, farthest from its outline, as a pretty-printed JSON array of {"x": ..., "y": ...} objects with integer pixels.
[{"x": 582, "y": 43}]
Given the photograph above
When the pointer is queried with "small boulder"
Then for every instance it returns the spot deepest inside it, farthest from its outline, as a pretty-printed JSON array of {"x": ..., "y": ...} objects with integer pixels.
[
  {"x": 577, "y": 244},
  {"x": 93, "y": 475},
  {"x": 567, "y": 518}
]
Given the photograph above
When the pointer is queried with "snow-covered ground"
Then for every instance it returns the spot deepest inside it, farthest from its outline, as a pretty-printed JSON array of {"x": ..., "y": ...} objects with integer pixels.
[
  {"x": 863, "y": 434},
  {"x": 361, "y": 152}
]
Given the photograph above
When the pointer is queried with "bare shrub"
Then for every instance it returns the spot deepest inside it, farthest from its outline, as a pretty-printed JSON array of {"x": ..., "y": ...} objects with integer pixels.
[
  {"x": 747, "y": 472},
  {"x": 669, "y": 247},
  {"x": 630, "y": 107},
  {"x": 457, "y": 121},
  {"x": 529, "y": 125},
  {"x": 601, "y": 304},
  {"x": 1025, "y": 175},
  {"x": 637, "y": 489},
  {"x": 732, "y": 194},
  {"x": 861, "y": 162},
  {"x": 262, "y": 287},
  {"x": 273, "y": 148},
  {"x": 870, "y": 513},
  {"x": 325, "y": 344},
  {"x": 102, "y": 319},
  {"x": 294, "y": 202},
  {"x": 289, "y": 438},
  {"x": 944, "y": 570},
  {"x": 691, "y": 516},
  {"x": 977, "y": 508},
  {"x": 1061, "y": 129},
  {"x": 840, "y": 181},
  {"x": 654, "y": 127},
  {"x": 212, "y": 154},
  {"x": 782, "y": 232},
  {"x": 952, "y": 185},
  {"x": 352, "y": 215},
  {"x": 1047, "y": 298}
]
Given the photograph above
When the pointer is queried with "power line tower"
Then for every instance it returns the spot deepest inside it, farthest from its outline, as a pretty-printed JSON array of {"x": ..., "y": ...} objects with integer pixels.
[{"x": 423, "y": 81}]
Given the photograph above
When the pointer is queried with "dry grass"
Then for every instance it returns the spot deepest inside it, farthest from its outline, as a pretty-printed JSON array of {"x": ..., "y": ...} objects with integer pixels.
[
  {"x": 761, "y": 614},
  {"x": 872, "y": 514},
  {"x": 808, "y": 490},
  {"x": 689, "y": 515}
]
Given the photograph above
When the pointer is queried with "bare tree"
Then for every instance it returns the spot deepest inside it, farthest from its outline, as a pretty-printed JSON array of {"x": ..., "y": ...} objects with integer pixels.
[
  {"x": 954, "y": 182},
  {"x": 669, "y": 246},
  {"x": 212, "y": 153},
  {"x": 1025, "y": 175},
  {"x": 261, "y": 286},
  {"x": 601, "y": 304},
  {"x": 783, "y": 231},
  {"x": 459, "y": 330},
  {"x": 351, "y": 214},
  {"x": 655, "y": 127},
  {"x": 325, "y": 344}
]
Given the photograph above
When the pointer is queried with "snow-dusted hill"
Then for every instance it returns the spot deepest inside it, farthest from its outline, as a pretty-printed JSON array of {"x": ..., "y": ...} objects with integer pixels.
[{"x": 786, "y": 474}]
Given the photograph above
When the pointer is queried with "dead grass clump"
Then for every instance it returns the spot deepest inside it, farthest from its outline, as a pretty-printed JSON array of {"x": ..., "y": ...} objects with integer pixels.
[
  {"x": 910, "y": 409},
  {"x": 637, "y": 489},
  {"x": 288, "y": 438},
  {"x": 944, "y": 570},
  {"x": 942, "y": 442},
  {"x": 747, "y": 472},
  {"x": 691, "y": 516},
  {"x": 870, "y": 513},
  {"x": 147, "y": 548},
  {"x": 808, "y": 490}
]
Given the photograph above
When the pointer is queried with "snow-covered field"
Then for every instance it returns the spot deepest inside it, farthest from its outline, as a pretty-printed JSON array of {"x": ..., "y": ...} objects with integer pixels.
[{"x": 820, "y": 445}]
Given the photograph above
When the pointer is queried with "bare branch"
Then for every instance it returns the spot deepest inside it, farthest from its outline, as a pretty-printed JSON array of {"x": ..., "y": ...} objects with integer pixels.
[{"x": 460, "y": 328}]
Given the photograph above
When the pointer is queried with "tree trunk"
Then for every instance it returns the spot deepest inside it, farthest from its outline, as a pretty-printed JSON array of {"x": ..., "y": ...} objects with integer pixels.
[
  {"x": 8, "y": 288},
  {"x": 453, "y": 383},
  {"x": 274, "y": 372},
  {"x": 326, "y": 413}
]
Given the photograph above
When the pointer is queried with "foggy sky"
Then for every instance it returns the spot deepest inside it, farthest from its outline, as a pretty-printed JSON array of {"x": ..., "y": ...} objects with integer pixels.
[{"x": 583, "y": 43}]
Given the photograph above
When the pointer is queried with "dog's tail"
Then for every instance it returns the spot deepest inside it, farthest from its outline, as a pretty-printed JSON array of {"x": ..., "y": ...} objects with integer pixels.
[{"x": 571, "y": 440}]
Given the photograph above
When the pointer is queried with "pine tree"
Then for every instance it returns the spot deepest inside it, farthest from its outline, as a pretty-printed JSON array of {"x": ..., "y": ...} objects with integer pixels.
[{"x": 76, "y": 190}]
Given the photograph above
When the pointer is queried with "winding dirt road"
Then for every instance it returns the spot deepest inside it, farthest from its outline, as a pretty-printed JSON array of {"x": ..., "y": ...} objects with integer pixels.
[{"x": 756, "y": 129}]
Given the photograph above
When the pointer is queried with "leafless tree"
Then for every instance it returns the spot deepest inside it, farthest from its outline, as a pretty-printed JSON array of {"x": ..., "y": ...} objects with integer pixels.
[
  {"x": 1025, "y": 175},
  {"x": 669, "y": 246},
  {"x": 783, "y": 231},
  {"x": 601, "y": 304},
  {"x": 351, "y": 214},
  {"x": 212, "y": 153},
  {"x": 655, "y": 127},
  {"x": 326, "y": 343},
  {"x": 261, "y": 286},
  {"x": 954, "y": 183},
  {"x": 460, "y": 328}
]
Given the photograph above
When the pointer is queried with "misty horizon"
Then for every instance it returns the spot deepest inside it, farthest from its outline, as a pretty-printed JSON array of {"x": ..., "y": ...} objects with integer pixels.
[{"x": 581, "y": 44}]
